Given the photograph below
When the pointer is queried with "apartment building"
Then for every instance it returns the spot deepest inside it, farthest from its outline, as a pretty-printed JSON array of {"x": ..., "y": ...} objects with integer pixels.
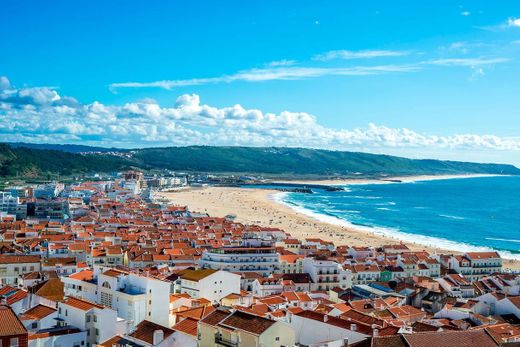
[
  {"x": 12, "y": 266},
  {"x": 327, "y": 274},
  {"x": 11, "y": 204},
  {"x": 263, "y": 260},
  {"x": 134, "y": 297},
  {"x": 475, "y": 265}
]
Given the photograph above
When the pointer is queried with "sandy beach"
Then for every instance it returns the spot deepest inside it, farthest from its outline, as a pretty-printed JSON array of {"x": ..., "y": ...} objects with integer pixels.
[{"x": 256, "y": 206}]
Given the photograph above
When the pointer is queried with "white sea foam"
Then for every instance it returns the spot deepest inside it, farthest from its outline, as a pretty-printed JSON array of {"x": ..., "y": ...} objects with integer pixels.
[
  {"x": 393, "y": 233},
  {"x": 366, "y": 197},
  {"x": 451, "y": 217},
  {"x": 498, "y": 239}
]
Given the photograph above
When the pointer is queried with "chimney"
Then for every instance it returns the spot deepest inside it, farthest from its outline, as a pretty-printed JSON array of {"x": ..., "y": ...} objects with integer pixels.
[
  {"x": 325, "y": 318},
  {"x": 375, "y": 332},
  {"x": 158, "y": 336},
  {"x": 345, "y": 342},
  {"x": 353, "y": 327}
]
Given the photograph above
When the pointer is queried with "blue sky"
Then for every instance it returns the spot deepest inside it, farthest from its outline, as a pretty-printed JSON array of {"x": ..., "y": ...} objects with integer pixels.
[{"x": 415, "y": 78}]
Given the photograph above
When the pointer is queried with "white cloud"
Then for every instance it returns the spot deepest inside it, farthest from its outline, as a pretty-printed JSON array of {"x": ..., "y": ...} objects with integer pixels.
[
  {"x": 283, "y": 62},
  {"x": 273, "y": 73},
  {"x": 189, "y": 121},
  {"x": 513, "y": 22},
  {"x": 365, "y": 54},
  {"x": 286, "y": 69},
  {"x": 4, "y": 83},
  {"x": 465, "y": 13},
  {"x": 467, "y": 61}
]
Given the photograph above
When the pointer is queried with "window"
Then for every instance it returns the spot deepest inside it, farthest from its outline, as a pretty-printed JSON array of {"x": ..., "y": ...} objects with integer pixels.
[
  {"x": 88, "y": 318},
  {"x": 95, "y": 319},
  {"x": 277, "y": 338},
  {"x": 66, "y": 312},
  {"x": 34, "y": 325},
  {"x": 97, "y": 332}
]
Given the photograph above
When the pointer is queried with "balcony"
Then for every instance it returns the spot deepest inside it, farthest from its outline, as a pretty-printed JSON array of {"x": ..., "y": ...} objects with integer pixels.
[
  {"x": 219, "y": 340},
  {"x": 483, "y": 266}
]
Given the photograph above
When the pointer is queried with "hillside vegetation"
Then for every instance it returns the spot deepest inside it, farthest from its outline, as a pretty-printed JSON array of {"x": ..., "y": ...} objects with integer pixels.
[{"x": 38, "y": 160}]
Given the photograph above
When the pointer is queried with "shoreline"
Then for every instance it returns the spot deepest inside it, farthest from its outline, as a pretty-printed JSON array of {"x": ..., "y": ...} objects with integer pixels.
[
  {"x": 387, "y": 180},
  {"x": 260, "y": 206}
]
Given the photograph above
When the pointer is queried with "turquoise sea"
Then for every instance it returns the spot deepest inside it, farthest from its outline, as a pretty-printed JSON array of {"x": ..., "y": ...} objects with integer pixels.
[{"x": 458, "y": 214}]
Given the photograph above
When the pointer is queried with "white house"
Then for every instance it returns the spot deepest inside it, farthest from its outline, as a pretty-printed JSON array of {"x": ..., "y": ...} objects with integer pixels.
[
  {"x": 58, "y": 336},
  {"x": 39, "y": 317},
  {"x": 212, "y": 285},
  {"x": 318, "y": 329},
  {"x": 98, "y": 321}
]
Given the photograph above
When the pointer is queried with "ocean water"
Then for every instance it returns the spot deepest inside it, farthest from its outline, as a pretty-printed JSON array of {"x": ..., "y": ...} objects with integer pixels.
[{"x": 458, "y": 214}]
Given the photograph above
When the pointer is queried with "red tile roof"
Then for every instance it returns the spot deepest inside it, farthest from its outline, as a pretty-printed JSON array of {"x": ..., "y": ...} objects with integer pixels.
[
  {"x": 144, "y": 331},
  {"x": 38, "y": 312},
  {"x": 247, "y": 322},
  {"x": 82, "y": 304},
  {"x": 187, "y": 326},
  {"x": 9, "y": 322}
]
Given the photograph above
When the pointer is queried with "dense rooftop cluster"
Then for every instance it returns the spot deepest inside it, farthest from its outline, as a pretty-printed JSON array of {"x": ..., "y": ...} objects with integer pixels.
[{"x": 104, "y": 264}]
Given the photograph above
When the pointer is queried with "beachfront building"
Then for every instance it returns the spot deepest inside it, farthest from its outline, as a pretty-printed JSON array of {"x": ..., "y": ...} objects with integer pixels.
[
  {"x": 263, "y": 260},
  {"x": 291, "y": 263},
  {"x": 210, "y": 284},
  {"x": 475, "y": 265},
  {"x": 363, "y": 274},
  {"x": 327, "y": 274}
]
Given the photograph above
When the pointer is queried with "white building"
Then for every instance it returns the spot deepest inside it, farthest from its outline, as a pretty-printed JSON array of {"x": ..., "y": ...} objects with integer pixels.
[
  {"x": 12, "y": 266},
  {"x": 98, "y": 321},
  {"x": 475, "y": 265},
  {"x": 210, "y": 284},
  {"x": 134, "y": 297},
  {"x": 267, "y": 286},
  {"x": 318, "y": 329},
  {"x": 263, "y": 260},
  {"x": 11, "y": 205},
  {"x": 59, "y": 336},
  {"x": 327, "y": 274}
]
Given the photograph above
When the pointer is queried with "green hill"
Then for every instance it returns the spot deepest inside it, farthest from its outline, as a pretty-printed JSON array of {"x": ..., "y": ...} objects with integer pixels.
[
  {"x": 29, "y": 162},
  {"x": 35, "y": 161}
]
